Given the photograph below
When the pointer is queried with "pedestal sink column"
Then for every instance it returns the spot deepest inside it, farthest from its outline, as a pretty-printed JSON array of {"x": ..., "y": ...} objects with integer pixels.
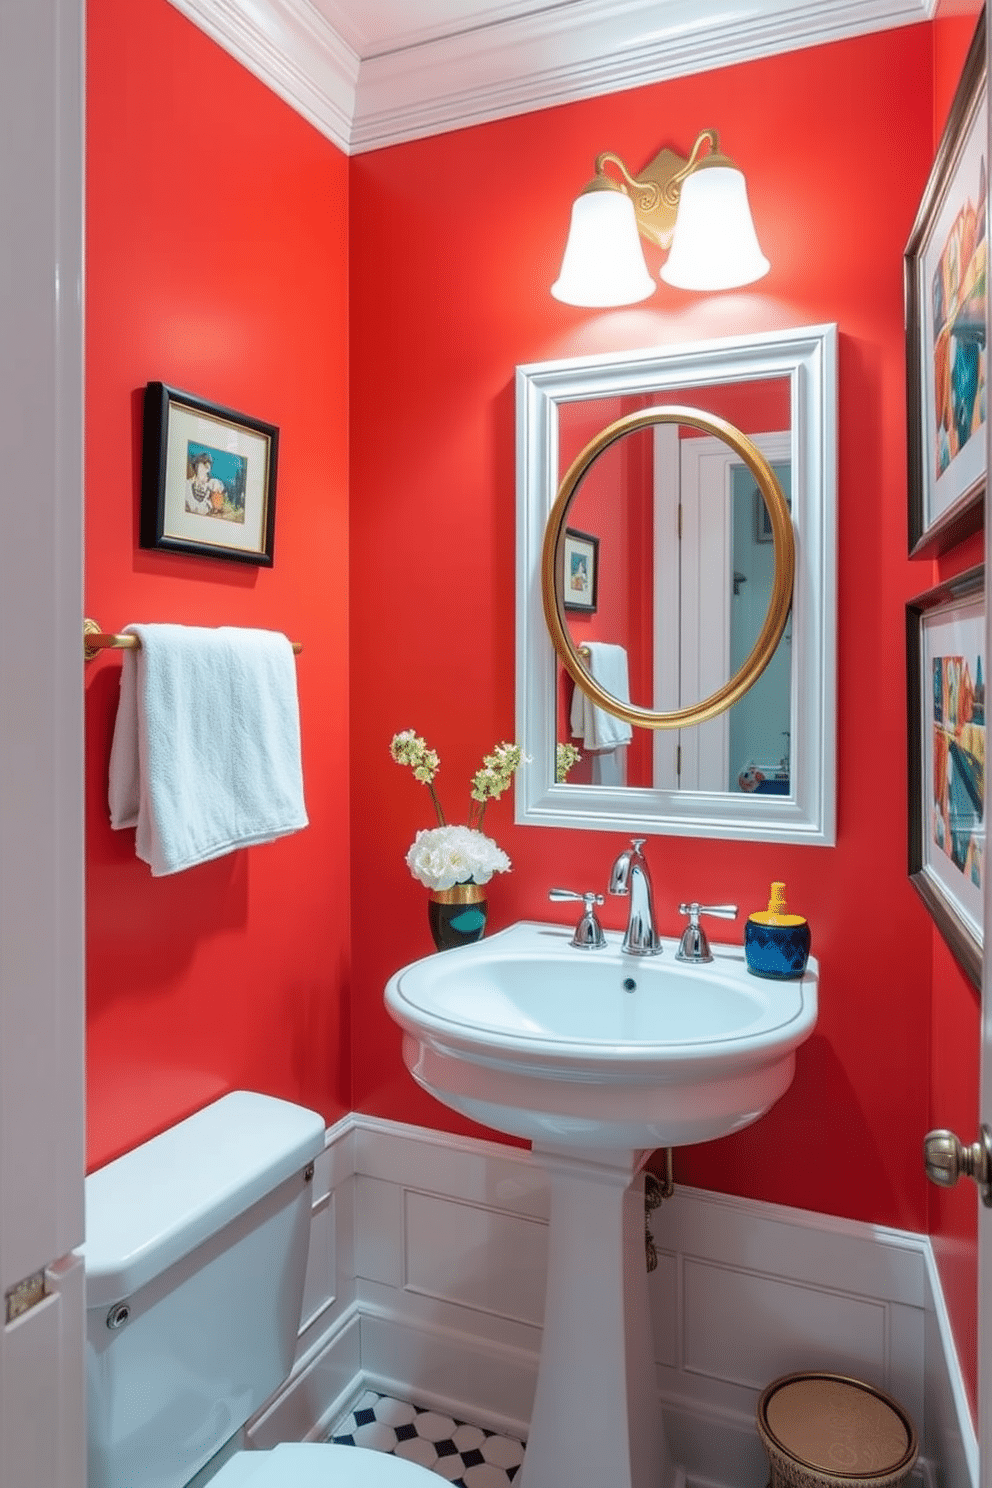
[{"x": 596, "y": 1421}]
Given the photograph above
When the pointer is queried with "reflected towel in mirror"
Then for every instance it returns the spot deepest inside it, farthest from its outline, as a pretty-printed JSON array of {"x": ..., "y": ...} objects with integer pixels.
[{"x": 597, "y": 729}]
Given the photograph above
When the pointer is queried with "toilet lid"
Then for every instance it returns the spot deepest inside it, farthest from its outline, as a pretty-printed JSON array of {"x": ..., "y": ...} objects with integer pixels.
[{"x": 320, "y": 1465}]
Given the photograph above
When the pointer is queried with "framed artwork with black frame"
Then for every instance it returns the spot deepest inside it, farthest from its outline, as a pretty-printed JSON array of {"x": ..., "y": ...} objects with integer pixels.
[
  {"x": 581, "y": 558},
  {"x": 946, "y": 325},
  {"x": 208, "y": 478},
  {"x": 946, "y": 665}
]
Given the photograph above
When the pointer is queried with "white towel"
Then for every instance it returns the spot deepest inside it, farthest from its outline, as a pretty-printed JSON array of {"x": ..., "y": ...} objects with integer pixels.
[
  {"x": 597, "y": 729},
  {"x": 206, "y": 751}
]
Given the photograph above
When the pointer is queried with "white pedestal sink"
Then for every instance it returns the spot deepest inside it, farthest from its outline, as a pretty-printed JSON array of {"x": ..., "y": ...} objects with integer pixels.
[{"x": 598, "y": 1058}]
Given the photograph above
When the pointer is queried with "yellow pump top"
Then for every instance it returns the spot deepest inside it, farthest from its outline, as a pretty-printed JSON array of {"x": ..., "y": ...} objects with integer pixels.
[{"x": 777, "y": 912}]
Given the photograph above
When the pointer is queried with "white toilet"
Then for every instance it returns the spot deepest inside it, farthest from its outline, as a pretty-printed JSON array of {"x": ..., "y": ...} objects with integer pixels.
[{"x": 195, "y": 1253}]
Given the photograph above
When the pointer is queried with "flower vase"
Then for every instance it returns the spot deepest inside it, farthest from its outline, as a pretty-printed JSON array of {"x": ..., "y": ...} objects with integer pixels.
[{"x": 457, "y": 916}]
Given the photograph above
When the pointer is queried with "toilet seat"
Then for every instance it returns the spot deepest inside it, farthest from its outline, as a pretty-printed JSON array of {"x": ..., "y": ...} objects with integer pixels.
[{"x": 320, "y": 1465}]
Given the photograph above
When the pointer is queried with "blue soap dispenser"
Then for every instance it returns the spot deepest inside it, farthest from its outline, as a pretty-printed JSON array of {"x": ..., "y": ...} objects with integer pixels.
[{"x": 776, "y": 943}]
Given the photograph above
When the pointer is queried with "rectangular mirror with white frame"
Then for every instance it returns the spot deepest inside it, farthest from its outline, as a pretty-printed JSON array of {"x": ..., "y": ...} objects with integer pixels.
[{"x": 673, "y": 566}]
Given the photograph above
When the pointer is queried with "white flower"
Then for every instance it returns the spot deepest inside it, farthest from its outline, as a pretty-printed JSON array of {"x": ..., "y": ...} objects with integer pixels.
[{"x": 445, "y": 856}]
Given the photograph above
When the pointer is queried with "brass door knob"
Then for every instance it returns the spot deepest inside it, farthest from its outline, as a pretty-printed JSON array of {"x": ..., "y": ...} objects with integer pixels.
[{"x": 946, "y": 1159}]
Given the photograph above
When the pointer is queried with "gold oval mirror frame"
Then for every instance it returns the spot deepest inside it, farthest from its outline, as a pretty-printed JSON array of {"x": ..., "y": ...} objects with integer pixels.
[{"x": 552, "y": 568}]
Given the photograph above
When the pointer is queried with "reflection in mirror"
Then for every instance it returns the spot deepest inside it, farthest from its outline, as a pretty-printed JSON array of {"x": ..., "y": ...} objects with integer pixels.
[
  {"x": 600, "y": 670},
  {"x": 691, "y": 637},
  {"x": 756, "y": 731},
  {"x": 686, "y": 610}
]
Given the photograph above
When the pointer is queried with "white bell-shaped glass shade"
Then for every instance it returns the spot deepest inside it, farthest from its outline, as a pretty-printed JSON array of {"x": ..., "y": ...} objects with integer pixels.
[
  {"x": 714, "y": 245},
  {"x": 603, "y": 263}
]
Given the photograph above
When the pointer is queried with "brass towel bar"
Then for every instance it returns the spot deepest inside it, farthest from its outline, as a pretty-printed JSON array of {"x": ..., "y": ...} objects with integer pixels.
[{"x": 95, "y": 640}]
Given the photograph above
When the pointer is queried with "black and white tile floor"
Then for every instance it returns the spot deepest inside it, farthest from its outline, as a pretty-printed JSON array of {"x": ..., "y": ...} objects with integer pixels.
[{"x": 465, "y": 1456}]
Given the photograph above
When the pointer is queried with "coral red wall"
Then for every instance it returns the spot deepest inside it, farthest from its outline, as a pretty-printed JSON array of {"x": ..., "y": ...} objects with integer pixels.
[
  {"x": 217, "y": 262},
  {"x": 446, "y": 319}
]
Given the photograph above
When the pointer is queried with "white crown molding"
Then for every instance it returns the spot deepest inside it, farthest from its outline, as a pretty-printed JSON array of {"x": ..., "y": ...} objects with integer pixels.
[
  {"x": 290, "y": 47},
  {"x": 587, "y": 49},
  {"x": 511, "y": 63}
]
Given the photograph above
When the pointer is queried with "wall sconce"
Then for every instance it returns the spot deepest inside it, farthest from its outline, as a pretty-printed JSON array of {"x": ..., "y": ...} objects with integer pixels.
[{"x": 696, "y": 208}]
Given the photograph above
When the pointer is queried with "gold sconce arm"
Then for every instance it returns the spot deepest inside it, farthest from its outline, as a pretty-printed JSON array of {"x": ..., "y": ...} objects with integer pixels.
[{"x": 656, "y": 190}]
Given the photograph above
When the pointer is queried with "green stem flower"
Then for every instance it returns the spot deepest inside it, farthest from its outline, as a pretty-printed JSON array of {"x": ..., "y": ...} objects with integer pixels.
[
  {"x": 488, "y": 783},
  {"x": 410, "y": 749}
]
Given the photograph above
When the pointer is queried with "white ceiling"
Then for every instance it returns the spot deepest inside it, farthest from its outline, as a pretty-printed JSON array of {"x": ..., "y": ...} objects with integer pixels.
[
  {"x": 369, "y": 73},
  {"x": 372, "y": 27}
]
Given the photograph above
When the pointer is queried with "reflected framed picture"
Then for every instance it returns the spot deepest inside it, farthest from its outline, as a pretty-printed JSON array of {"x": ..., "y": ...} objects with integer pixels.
[
  {"x": 208, "y": 478},
  {"x": 762, "y": 519},
  {"x": 581, "y": 557},
  {"x": 946, "y": 325},
  {"x": 945, "y": 648}
]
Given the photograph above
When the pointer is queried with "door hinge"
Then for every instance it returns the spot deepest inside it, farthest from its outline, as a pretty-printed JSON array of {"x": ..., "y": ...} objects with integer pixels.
[
  {"x": 678, "y": 762},
  {"x": 678, "y": 522},
  {"x": 24, "y": 1295}
]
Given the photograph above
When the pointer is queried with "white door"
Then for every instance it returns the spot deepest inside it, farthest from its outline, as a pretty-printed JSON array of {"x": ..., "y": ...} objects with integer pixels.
[
  {"x": 707, "y": 589},
  {"x": 42, "y": 1416},
  {"x": 695, "y": 586}
]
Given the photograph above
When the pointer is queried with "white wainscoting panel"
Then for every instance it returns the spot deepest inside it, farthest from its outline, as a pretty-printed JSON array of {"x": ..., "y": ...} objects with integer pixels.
[
  {"x": 755, "y": 1291},
  {"x": 448, "y": 1247},
  {"x": 426, "y": 1280},
  {"x": 763, "y": 1290},
  {"x": 950, "y": 1435},
  {"x": 438, "y": 1319},
  {"x": 379, "y": 1231},
  {"x": 738, "y": 1325}
]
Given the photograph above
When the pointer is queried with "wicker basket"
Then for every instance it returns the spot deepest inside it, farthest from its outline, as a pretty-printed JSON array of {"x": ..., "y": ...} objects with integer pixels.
[{"x": 827, "y": 1431}]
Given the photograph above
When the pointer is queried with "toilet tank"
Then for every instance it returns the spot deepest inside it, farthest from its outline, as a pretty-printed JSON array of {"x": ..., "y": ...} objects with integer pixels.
[{"x": 195, "y": 1257}]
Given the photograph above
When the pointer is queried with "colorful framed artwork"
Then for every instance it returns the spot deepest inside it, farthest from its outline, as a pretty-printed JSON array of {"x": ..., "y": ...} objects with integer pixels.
[
  {"x": 945, "y": 635},
  {"x": 581, "y": 555},
  {"x": 208, "y": 478},
  {"x": 946, "y": 325}
]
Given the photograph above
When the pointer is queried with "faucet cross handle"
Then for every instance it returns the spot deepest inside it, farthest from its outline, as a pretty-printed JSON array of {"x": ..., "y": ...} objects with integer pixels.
[
  {"x": 588, "y": 932},
  {"x": 694, "y": 945}
]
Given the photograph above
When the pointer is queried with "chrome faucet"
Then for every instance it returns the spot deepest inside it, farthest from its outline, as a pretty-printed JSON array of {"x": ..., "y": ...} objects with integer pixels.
[{"x": 630, "y": 876}]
